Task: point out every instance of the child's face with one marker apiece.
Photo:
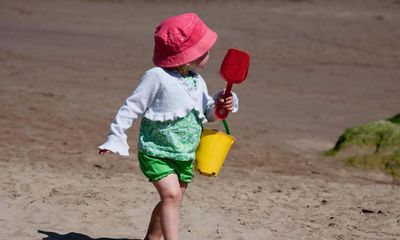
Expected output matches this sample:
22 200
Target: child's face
201 61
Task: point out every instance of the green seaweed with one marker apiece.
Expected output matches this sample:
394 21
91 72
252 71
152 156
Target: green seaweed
378 145
395 119
389 163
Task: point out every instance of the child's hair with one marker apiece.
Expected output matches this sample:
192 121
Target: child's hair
180 40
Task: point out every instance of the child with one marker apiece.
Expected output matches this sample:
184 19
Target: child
173 100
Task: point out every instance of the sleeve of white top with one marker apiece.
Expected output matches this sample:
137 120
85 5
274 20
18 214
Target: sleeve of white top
208 102
134 107
210 109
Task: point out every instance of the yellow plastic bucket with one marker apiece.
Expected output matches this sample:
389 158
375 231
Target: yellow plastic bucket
213 148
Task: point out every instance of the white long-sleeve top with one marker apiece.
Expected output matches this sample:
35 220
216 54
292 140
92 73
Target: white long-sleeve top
161 96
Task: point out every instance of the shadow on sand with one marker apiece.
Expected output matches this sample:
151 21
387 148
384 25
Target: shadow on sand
76 236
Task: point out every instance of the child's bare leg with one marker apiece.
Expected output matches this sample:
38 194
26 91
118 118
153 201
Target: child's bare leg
165 216
154 230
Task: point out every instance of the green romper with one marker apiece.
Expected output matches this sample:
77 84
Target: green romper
170 146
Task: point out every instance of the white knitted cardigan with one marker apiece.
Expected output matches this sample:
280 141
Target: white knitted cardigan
161 96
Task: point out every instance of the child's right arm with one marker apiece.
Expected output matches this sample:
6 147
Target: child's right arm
134 106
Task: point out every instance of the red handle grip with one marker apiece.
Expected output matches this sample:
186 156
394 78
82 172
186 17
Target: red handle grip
220 111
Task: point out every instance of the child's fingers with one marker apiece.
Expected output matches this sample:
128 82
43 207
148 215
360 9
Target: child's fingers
227 103
228 106
228 99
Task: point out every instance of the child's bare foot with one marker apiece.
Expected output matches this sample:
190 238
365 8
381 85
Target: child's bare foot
104 151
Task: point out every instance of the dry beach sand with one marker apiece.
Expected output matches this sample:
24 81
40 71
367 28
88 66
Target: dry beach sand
318 67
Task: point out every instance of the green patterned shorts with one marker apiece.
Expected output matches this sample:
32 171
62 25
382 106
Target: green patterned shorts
155 168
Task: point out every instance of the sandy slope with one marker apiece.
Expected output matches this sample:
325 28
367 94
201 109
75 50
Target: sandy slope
317 68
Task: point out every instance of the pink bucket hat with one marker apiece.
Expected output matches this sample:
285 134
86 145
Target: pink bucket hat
181 39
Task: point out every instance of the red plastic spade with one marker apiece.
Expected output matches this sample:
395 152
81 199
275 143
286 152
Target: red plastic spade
234 69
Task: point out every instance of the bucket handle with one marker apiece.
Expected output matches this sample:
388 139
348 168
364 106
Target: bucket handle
226 126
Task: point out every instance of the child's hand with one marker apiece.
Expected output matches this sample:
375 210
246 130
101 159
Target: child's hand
104 151
227 103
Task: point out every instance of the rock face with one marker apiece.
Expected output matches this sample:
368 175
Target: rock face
375 145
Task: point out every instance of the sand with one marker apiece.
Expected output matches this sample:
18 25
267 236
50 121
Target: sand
318 67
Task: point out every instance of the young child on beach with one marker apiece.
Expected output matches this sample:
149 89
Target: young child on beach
173 101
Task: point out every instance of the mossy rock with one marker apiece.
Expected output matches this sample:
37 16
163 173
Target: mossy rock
374 145
395 119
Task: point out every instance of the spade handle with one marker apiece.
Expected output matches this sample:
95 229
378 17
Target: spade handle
220 111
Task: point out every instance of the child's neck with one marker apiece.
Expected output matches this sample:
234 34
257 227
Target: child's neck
184 71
